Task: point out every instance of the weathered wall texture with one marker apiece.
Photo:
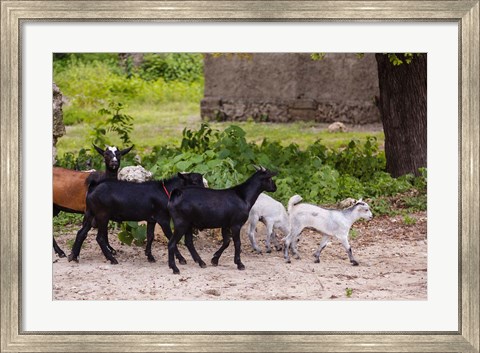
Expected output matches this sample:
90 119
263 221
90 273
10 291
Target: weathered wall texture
58 127
290 87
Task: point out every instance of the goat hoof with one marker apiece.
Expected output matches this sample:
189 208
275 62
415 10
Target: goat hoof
278 248
176 271
113 251
214 261
182 261
317 261
354 263
113 261
202 264
297 257
241 266
268 251
151 259
72 257
288 261
61 254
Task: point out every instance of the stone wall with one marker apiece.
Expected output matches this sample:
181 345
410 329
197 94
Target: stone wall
290 87
58 127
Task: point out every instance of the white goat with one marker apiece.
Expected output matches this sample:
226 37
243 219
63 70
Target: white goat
271 213
329 222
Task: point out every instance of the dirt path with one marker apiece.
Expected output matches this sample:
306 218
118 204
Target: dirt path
392 257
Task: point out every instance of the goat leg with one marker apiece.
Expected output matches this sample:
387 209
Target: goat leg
165 225
106 252
150 236
348 249
277 244
322 246
171 258
238 250
251 234
57 249
226 242
172 244
286 255
79 239
352 259
270 235
101 240
273 238
112 250
295 248
191 248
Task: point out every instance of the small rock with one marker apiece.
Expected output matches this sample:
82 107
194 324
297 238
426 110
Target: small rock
346 203
337 127
136 174
213 292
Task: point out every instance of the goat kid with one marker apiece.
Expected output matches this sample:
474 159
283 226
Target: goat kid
115 200
271 213
227 209
70 186
329 222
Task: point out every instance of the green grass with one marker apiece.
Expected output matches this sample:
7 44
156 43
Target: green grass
301 133
162 124
153 125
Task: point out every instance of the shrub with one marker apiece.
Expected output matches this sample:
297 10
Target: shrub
184 67
319 174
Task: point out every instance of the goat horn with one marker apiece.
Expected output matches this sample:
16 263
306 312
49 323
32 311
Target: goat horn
98 149
256 167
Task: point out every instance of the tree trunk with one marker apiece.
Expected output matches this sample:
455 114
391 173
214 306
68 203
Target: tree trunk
403 110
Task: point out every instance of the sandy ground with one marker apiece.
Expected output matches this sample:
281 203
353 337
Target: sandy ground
392 257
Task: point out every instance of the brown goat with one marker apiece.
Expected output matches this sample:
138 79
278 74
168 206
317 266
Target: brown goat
70 189
70 186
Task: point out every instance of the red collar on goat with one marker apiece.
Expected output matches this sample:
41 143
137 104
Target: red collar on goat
166 191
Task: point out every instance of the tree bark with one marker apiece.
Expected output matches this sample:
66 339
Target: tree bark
403 110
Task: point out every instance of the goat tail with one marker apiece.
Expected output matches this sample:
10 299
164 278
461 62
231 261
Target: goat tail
293 201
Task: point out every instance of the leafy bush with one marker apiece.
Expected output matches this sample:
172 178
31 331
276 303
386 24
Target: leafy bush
113 120
319 174
172 67
83 160
133 232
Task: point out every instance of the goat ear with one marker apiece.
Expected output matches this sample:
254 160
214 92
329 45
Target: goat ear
99 150
126 150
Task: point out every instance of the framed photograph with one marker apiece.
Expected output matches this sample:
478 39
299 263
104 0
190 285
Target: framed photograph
444 317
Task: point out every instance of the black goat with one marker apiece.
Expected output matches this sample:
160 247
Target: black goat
70 186
207 208
114 200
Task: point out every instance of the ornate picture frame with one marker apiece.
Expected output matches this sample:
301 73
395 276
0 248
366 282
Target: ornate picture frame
465 13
